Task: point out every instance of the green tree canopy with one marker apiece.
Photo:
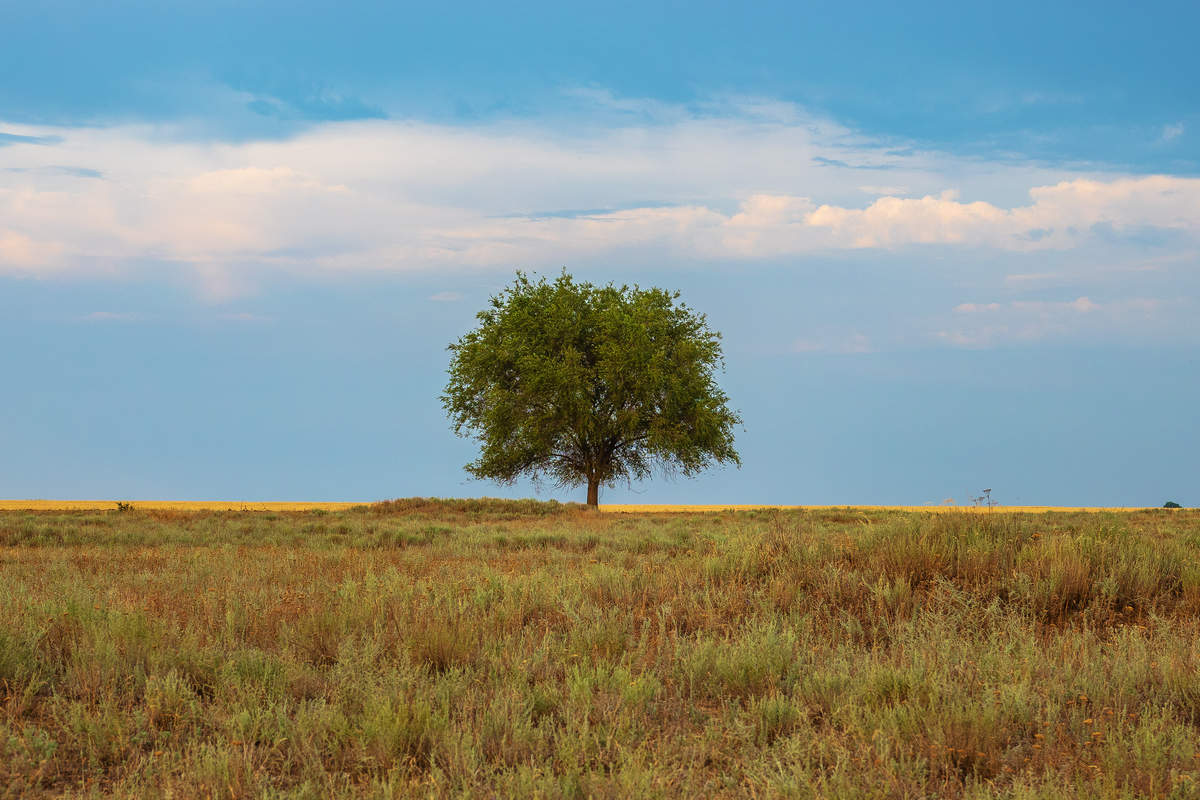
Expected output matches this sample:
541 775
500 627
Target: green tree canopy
584 384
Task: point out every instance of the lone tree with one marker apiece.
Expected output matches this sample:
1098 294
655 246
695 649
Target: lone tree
586 384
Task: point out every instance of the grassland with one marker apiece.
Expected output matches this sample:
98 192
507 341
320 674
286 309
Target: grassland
455 649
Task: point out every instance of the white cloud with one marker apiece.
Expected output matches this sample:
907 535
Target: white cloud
1082 304
21 254
1172 132
884 190
445 297
1022 321
744 180
892 221
1061 215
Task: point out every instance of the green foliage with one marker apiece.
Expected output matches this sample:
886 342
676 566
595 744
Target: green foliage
589 385
1171 504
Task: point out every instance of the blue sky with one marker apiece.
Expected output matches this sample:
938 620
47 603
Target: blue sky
950 246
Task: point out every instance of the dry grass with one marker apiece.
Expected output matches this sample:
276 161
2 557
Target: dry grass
484 648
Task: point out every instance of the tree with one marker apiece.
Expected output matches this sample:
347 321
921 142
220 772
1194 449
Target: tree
583 384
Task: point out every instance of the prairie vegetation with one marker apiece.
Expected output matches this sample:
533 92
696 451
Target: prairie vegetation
424 648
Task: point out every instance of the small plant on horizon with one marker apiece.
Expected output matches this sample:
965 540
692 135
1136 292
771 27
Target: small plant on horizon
984 499
124 506
1171 504
589 385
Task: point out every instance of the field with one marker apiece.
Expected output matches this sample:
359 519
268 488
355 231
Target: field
640 508
492 648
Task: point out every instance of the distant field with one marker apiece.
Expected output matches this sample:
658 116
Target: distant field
171 505
235 505
489 648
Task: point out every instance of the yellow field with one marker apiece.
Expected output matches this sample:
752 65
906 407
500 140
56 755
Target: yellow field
640 508
172 505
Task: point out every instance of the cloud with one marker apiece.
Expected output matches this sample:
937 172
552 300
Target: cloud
445 297
21 254
1082 305
885 190
976 325
1172 131
1060 216
892 221
737 181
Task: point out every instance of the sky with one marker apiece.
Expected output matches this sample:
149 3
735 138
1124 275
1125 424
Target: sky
949 246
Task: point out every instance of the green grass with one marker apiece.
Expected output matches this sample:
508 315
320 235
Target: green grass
459 649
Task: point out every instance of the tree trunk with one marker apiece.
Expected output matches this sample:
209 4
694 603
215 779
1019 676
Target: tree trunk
593 493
